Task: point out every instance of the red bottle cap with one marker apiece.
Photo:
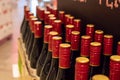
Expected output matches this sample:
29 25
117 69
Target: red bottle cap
108 44
27 10
42 13
64 55
46 17
75 40
38 29
100 77
98 36
56 41
95 52
69 29
61 15
51 35
67 19
33 24
85 45
118 48
77 24
51 21
114 67
58 26
47 29
71 20
81 68
90 30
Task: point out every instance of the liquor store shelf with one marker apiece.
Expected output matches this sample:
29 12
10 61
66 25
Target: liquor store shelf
26 72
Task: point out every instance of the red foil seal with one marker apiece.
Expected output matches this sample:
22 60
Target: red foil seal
85 45
26 12
37 10
67 19
82 68
51 35
71 20
51 21
56 41
46 17
98 36
107 45
77 24
118 48
58 26
75 40
33 24
47 29
114 67
64 55
61 15
55 12
38 29
90 30
50 16
95 52
42 14
69 29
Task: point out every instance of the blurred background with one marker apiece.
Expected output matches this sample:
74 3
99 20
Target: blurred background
11 16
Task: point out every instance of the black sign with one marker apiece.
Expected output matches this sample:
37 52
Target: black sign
105 14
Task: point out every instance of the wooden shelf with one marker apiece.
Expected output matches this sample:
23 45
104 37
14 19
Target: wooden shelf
27 73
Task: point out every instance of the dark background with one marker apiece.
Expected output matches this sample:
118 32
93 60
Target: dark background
103 17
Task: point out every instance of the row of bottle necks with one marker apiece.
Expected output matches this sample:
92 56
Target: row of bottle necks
58 52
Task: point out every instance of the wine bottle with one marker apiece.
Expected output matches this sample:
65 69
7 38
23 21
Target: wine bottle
90 30
82 68
100 77
69 29
98 37
61 15
46 17
43 54
56 40
47 63
114 67
54 11
64 62
29 31
51 20
75 41
95 55
66 19
118 48
37 44
77 24
50 16
57 26
71 20
31 37
107 52
85 46
26 8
